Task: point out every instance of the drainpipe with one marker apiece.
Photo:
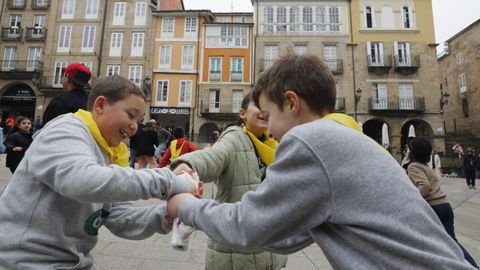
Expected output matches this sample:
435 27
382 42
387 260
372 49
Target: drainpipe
353 59
197 77
254 45
100 53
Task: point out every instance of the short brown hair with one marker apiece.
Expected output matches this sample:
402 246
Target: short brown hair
114 88
306 75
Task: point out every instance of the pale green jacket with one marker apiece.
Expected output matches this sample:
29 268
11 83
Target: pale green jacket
234 167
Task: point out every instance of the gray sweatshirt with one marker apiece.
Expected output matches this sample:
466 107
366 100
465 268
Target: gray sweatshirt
64 189
338 188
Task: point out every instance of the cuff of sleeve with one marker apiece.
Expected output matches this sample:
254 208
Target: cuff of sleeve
186 211
181 185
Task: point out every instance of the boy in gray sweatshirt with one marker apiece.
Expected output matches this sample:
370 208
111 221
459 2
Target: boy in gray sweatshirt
73 180
326 186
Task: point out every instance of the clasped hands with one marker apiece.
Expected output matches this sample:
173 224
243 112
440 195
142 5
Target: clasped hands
175 201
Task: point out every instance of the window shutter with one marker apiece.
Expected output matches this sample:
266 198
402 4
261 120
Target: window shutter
373 18
395 48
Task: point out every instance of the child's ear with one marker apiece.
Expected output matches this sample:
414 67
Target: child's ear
99 104
293 101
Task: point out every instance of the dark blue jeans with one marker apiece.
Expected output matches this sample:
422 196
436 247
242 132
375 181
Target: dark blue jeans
133 157
445 214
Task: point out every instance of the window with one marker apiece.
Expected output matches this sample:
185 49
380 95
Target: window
406 101
307 19
39 20
162 92
15 24
270 54
330 57
375 53
236 69
137 43
300 49
68 9
406 17
116 44
58 73
462 83
402 54
119 13
281 19
334 19
369 17
227 36
41 3
33 58
135 74
268 20
92 9
190 25
140 13
294 19
187 56
380 97
237 98
88 38
214 104
165 56
9 56
167 26
113 70
64 39
185 94
459 57
215 69
321 19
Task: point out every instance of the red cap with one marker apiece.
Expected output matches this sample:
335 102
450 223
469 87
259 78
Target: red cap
79 73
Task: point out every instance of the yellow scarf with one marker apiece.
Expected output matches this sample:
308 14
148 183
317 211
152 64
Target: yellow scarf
119 154
345 120
175 153
265 149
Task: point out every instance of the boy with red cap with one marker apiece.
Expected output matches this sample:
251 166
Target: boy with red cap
75 80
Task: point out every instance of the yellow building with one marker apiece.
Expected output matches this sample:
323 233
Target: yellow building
226 75
176 64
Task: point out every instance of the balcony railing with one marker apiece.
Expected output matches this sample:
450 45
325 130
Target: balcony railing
236 76
340 104
407 64
392 104
214 76
40 4
223 109
335 65
11 34
16 4
36 34
379 63
18 70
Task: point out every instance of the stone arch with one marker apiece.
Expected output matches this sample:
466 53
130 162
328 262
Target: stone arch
205 132
422 129
18 98
373 129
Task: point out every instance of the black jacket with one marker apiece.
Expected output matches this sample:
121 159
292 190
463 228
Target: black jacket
146 139
68 102
15 139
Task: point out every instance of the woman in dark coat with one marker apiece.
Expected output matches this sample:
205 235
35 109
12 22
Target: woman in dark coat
18 141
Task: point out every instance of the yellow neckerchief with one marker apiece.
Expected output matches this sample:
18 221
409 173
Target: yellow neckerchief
175 153
117 155
345 120
265 149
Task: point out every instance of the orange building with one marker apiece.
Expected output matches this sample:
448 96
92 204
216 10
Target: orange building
176 63
225 76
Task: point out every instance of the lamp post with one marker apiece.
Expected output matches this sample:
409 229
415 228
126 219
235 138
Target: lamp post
146 86
444 100
358 95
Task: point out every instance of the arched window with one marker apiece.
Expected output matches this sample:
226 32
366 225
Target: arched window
294 19
281 19
307 19
268 20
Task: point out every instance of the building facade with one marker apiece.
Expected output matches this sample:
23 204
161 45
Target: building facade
460 85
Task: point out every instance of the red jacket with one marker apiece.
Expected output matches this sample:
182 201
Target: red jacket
187 147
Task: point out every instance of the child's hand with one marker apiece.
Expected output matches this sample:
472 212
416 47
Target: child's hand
173 204
17 149
193 182
183 168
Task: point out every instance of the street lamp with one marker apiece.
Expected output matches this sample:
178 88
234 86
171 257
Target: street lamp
444 100
146 86
358 95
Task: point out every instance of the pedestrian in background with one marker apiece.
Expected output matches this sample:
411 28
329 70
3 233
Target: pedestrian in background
17 142
470 165
428 184
178 147
74 81
146 140
2 146
164 139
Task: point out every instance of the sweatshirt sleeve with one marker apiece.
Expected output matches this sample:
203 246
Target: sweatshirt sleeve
419 179
65 157
294 198
135 223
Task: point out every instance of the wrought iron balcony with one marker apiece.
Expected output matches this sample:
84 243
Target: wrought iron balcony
23 69
236 76
11 33
340 104
36 34
40 4
396 104
379 63
407 65
214 75
221 110
16 4
335 65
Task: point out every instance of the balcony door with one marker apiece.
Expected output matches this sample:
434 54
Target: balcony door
214 104
406 101
330 56
380 96
402 53
34 55
375 53
9 56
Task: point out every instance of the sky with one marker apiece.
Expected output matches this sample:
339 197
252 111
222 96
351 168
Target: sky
449 16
